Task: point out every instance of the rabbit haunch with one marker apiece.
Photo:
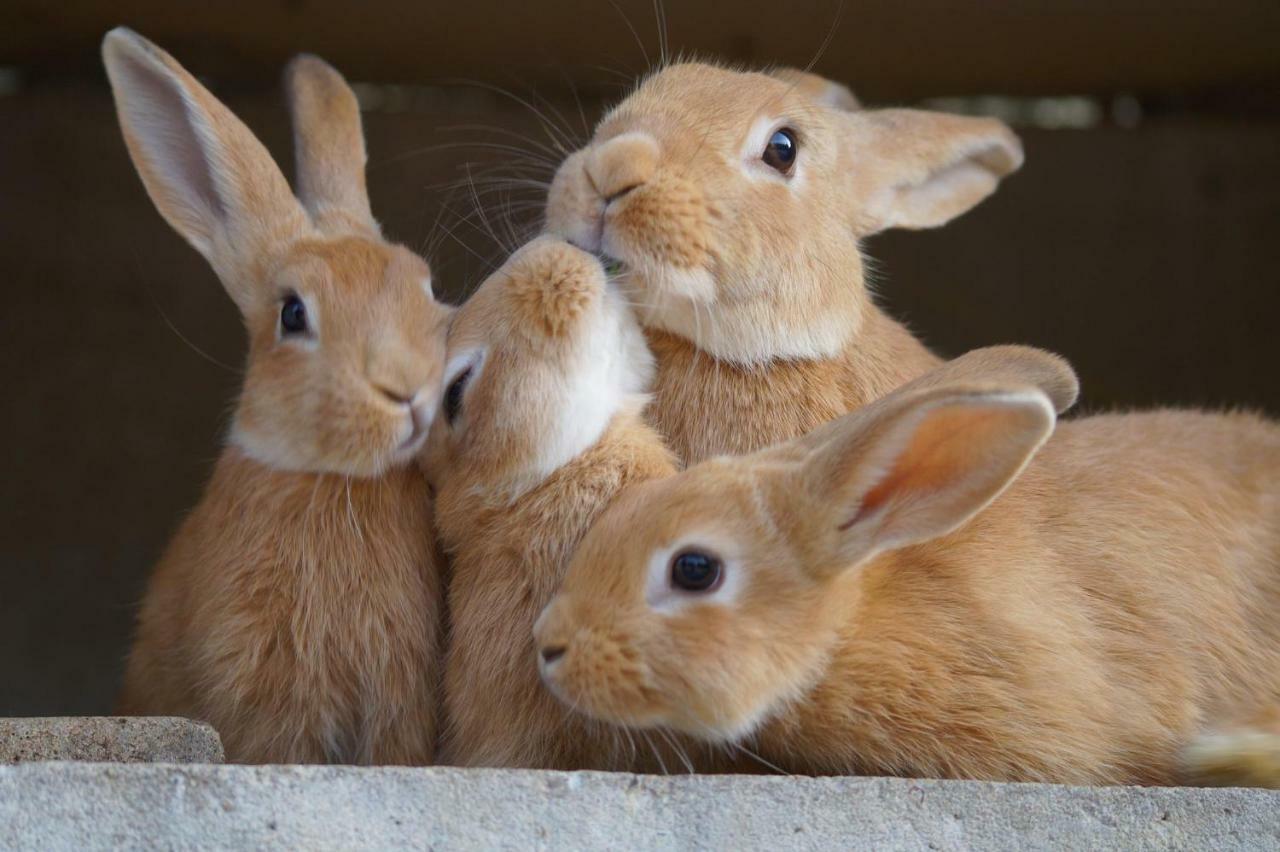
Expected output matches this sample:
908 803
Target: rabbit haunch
296 609
750 282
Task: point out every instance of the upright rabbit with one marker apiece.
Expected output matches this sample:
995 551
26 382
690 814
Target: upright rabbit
297 607
735 203
541 431
901 592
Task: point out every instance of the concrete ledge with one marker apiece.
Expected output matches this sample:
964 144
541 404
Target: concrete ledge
93 806
117 739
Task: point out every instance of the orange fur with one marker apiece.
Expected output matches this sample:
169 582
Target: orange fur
705 407
299 614
751 284
1116 601
297 608
518 483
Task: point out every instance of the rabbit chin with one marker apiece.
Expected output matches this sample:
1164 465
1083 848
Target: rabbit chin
362 455
628 709
686 302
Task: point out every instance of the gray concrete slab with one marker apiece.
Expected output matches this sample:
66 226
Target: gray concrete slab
117 739
52 806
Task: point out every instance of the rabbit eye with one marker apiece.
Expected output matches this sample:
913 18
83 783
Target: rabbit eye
694 571
453 396
780 153
293 316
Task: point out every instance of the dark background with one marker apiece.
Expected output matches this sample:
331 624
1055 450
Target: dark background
1140 239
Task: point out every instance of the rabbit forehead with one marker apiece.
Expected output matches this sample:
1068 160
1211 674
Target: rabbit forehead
702 91
360 279
716 106
714 505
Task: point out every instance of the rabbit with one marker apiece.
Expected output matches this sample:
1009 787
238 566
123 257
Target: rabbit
540 430
940 585
734 203
297 608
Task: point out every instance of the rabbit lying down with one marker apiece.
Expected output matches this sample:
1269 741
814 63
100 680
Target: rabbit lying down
941 584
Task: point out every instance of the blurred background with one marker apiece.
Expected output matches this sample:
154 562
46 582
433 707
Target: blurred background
1141 239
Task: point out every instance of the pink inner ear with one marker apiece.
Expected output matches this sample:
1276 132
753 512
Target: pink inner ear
940 450
160 124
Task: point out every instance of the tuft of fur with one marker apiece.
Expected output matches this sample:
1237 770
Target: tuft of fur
905 594
751 284
297 608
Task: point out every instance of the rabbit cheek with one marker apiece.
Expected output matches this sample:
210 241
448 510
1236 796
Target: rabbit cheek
603 676
274 421
665 223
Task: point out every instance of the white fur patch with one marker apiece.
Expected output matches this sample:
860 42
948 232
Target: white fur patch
610 371
683 302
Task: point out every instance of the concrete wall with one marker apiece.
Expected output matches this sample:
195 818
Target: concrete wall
55 806
1147 256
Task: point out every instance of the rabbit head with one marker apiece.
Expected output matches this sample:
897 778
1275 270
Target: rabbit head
346 343
540 359
735 201
707 601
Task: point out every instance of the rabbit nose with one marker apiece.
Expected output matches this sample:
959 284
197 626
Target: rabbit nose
622 164
551 653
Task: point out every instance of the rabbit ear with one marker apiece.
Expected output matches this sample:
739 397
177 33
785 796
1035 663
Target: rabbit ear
1005 366
913 469
329 143
204 170
917 169
821 89
207 174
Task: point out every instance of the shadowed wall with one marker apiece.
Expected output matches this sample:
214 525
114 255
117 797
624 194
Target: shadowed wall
1148 256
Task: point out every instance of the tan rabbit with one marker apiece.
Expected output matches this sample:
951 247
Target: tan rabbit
871 599
735 203
297 607
541 430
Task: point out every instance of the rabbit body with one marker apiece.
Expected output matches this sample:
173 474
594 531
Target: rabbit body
1122 596
299 615
913 590
507 561
542 432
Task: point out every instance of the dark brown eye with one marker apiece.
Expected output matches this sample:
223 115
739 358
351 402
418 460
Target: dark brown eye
293 316
694 571
780 153
453 396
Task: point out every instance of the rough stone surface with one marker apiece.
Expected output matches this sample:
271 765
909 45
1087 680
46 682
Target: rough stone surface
53 806
116 739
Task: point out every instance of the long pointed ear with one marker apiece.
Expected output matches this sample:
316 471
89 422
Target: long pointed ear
207 174
329 143
914 469
916 169
821 89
